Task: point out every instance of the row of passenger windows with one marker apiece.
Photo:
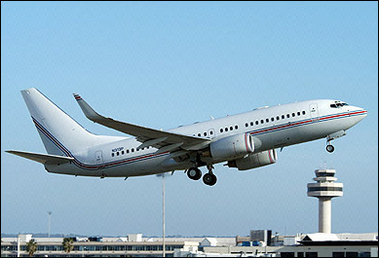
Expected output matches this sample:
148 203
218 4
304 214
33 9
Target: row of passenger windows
277 118
227 129
262 121
123 152
205 134
222 130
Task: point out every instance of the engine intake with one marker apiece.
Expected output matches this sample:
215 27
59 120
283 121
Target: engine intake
232 147
254 160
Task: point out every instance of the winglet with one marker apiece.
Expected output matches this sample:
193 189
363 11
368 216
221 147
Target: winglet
88 111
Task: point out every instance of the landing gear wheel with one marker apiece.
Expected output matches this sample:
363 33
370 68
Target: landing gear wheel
209 179
194 173
329 148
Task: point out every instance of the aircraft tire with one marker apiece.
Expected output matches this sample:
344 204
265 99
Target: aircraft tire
194 173
330 148
209 179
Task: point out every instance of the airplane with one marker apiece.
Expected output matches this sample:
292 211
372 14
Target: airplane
243 141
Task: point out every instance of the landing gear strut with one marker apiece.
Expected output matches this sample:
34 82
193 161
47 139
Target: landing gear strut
209 178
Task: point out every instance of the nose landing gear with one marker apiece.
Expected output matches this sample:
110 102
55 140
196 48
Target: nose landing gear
333 136
329 148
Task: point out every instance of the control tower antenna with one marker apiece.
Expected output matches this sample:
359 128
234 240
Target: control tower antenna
325 189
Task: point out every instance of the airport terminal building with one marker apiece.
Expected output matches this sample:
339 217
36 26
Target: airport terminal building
260 243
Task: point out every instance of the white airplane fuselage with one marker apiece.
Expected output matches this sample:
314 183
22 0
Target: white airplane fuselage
269 127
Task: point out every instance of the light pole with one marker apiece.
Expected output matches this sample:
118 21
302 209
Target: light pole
163 214
18 245
49 223
163 211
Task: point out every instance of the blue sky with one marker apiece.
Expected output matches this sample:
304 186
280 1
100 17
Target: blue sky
171 63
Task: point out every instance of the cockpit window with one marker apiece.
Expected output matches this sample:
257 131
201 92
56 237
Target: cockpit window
338 104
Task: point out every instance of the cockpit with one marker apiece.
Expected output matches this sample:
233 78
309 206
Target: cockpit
338 104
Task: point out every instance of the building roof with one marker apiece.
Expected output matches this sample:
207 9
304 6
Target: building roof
321 237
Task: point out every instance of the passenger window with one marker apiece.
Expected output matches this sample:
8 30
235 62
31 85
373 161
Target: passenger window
298 113
211 132
112 154
132 150
236 127
226 129
293 114
122 152
303 112
272 119
262 121
221 130
277 118
288 115
231 128
205 133
246 125
267 120
118 153
283 117
199 134
256 122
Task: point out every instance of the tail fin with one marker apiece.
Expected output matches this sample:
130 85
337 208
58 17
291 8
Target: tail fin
59 132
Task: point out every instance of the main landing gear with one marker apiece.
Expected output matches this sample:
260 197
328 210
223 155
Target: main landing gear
209 178
333 136
194 173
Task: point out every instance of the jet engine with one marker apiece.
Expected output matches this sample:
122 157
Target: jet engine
232 147
259 159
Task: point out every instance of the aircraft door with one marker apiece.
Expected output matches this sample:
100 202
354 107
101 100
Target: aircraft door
313 108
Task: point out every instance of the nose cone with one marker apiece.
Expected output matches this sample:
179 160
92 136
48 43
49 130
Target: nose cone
358 114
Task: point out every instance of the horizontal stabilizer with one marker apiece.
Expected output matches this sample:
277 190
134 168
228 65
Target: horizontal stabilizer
42 158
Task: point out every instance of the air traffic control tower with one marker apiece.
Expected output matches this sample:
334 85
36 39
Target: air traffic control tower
325 189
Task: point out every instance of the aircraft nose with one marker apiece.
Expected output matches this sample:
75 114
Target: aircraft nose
359 113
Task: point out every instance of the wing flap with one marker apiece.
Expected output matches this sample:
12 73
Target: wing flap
42 158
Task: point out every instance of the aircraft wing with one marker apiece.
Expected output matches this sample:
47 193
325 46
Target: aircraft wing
42 158
165 141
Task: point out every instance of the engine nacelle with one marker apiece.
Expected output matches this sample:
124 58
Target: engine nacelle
254 160
232 147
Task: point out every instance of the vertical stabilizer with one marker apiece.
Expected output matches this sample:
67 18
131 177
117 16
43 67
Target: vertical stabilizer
59 132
